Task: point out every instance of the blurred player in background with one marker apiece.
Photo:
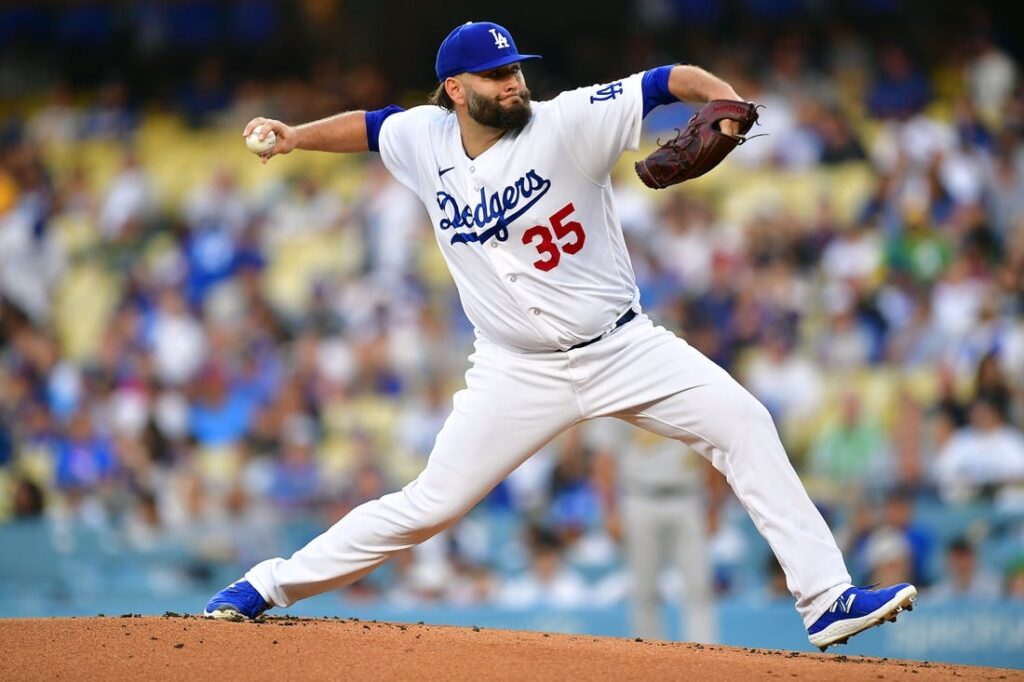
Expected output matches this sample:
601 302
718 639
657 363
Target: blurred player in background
658 508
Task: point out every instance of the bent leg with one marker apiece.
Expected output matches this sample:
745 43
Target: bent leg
687 397
510 408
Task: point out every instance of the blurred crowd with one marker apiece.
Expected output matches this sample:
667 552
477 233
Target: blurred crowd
209 369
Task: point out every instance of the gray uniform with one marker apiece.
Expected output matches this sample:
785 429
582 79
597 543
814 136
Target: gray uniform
660 483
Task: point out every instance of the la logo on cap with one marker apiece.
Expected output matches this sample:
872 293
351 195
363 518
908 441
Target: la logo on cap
476 47
500 41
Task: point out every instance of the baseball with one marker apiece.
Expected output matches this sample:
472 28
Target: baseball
258 146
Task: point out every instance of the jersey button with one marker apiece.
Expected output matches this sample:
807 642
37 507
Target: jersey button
494 244
512 278
472 169
535 311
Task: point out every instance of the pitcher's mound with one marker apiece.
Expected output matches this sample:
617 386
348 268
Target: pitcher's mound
190 648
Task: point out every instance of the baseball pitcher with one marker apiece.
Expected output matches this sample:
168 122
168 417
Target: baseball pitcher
521 202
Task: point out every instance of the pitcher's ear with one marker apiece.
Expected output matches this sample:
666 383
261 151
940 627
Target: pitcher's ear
455 89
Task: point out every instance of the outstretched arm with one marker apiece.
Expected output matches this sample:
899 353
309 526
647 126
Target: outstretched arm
694 84
341 133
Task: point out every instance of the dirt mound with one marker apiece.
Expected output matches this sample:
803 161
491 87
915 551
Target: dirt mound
186 647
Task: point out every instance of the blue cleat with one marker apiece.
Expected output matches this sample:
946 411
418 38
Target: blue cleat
858 609
237 601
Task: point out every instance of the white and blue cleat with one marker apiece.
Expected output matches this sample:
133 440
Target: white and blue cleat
237 601
858 609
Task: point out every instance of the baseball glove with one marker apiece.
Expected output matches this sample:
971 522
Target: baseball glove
698 147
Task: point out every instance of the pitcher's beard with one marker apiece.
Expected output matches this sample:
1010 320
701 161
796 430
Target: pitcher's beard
491 113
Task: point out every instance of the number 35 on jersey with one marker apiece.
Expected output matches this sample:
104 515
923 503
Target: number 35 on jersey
551 241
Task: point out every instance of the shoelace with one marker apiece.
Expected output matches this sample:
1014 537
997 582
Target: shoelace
679 143
743 139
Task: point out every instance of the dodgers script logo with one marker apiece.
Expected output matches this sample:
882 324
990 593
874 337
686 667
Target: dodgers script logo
500 208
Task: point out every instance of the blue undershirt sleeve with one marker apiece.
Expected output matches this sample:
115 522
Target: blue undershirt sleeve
655 88
374 120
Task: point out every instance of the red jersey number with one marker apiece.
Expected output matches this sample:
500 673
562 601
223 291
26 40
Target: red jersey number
569 233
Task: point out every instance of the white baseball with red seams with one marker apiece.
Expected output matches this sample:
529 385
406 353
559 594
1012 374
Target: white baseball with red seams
531 236
258 146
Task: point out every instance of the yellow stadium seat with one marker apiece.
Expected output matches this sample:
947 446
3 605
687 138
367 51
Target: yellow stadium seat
83 306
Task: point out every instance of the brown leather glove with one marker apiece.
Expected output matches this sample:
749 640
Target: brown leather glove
699 147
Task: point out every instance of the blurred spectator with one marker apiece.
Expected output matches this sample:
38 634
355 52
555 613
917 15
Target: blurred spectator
1005 193
31 258
964 578
779 116
177 339
550 583
424 582
59 120
222 412
1015 581
685 243
981 457
207 95
888 557
854 256
992 386
907 437
776 589
84 460
110 116
853 450
393 220
915 342
948 406
307 208
129 201
212 256
574 505
143 527
991 75
908 149
957 300
899 516
473 585
28 500
365 479
297 482
425 416
846 342
785 381
920 252
6 441
839 140
900 91
218 204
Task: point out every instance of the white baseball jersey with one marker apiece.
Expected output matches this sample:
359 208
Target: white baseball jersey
529 228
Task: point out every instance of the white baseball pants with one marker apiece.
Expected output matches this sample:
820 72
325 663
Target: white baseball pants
514 403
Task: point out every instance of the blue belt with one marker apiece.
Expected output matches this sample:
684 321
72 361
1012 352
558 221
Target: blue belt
626 317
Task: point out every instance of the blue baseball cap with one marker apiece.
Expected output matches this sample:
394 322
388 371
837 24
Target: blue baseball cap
475 47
